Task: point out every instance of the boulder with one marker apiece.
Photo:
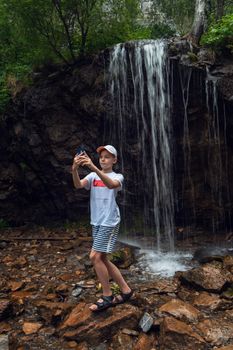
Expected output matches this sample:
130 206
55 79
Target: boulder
217 332
177 335
204 255
208 277
181 310
207 301
83 324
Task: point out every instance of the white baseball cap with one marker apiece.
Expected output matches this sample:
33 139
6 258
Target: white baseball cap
108 148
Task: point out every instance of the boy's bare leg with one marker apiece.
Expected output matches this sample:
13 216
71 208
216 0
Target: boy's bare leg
115 273
102 273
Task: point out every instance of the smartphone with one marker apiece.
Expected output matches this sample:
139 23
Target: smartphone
80 150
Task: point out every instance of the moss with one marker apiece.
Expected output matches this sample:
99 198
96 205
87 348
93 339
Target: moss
192 56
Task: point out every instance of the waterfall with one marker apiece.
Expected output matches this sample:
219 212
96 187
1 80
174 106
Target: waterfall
140 94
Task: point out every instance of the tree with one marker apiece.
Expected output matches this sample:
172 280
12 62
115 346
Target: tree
199 22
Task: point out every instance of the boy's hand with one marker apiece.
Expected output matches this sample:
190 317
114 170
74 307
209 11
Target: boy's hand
85 160
77 161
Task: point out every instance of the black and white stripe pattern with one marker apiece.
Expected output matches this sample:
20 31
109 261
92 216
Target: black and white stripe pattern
104 238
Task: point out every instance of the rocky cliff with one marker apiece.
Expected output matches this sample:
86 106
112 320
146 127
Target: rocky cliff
45 123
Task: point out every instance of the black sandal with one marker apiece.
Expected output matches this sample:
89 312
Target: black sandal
105 304
124 297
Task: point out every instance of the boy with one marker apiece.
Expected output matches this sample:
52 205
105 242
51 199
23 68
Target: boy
105 220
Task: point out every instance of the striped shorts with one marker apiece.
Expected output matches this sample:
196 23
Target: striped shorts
104 238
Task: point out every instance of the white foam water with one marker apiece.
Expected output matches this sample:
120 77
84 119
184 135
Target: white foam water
164 264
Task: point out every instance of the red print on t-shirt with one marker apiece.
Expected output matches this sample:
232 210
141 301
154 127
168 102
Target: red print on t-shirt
98 183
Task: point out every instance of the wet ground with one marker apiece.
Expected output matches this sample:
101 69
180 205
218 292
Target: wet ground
42 268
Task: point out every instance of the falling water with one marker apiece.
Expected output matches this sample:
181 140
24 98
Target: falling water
216 163
138 78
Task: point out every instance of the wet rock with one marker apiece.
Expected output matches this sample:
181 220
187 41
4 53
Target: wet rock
76 292
122 341
82 346
4 327
181 310
123 258
161 286
208 277
72 344
130 332
145 342
4 342
21 295
52 312
204 255
102 326
207 301
14 285
6 309
177 335
228 293
31 327
78 316
146 322
216 332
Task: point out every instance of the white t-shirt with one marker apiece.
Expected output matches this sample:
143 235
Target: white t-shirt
104 209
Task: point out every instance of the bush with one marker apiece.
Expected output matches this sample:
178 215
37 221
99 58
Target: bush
4 95
162 30
220 34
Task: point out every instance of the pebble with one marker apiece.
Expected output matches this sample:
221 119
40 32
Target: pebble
76 292
146 322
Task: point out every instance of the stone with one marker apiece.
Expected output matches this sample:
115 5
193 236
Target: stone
204 255
215 331
130 332
228 347
76 292
161 286
123 258
6 309
72 344
52 312
122 341
21 295
14 285
208 277
62 288
78 316
145 342
177 335
146 322
31 327
4 327
181 310
207 301
66 277
4 342
101 326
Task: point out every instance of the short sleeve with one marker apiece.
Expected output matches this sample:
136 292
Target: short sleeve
89 179
120 178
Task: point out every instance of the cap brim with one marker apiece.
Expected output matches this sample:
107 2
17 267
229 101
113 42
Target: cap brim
100 148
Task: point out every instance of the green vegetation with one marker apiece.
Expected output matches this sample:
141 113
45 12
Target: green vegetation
37 34
220 34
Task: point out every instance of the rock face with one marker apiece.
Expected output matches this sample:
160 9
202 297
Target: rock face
44 125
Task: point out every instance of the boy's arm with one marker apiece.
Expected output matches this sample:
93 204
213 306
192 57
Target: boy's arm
110 183
78 183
